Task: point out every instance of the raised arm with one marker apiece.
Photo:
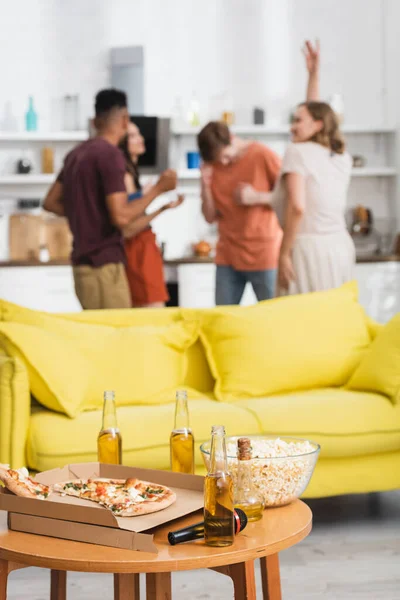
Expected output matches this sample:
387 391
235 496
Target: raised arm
312 55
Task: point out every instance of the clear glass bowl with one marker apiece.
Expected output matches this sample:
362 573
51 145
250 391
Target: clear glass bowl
279 479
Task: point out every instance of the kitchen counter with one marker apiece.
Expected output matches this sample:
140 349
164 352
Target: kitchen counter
173 262
186 260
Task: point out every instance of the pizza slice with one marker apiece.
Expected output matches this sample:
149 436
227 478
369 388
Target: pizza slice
125 498
20 483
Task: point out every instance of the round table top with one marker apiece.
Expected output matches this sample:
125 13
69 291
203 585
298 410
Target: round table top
279 528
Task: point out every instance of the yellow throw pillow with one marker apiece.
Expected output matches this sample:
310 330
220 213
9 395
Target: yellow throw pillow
294 343
379 371
59 374
69 370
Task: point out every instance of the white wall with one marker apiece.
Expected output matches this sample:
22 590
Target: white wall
249 48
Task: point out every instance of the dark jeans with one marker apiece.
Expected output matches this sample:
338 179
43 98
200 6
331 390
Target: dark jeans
230 284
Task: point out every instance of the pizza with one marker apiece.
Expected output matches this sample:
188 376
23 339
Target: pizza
124 497
19 482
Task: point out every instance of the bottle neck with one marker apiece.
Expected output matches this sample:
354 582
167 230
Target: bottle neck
109 414
181 412
244 476
218 459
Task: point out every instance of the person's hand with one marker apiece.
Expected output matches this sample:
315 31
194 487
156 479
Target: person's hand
167 181
285 271
147 187
311 54
174 203
246 195
206 172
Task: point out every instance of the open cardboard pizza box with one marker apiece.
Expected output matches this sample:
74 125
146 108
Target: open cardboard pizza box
71 518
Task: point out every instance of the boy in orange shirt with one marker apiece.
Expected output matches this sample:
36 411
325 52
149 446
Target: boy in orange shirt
249 236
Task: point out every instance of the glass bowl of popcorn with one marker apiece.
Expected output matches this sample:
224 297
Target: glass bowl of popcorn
281 466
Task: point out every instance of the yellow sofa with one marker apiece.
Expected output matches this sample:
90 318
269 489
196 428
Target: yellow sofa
282 367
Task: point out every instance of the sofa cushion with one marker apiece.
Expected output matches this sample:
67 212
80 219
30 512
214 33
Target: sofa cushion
72 364
379 371
14 411
198 374
344 423
292 343
54 440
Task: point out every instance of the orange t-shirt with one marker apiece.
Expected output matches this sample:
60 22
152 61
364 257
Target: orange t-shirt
249 236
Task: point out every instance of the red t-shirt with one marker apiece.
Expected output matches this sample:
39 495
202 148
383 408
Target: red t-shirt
92 171
249 236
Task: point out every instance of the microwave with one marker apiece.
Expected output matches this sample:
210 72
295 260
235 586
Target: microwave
156 133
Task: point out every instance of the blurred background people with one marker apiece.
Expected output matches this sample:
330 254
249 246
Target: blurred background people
249 235
144 266
90 192
317 252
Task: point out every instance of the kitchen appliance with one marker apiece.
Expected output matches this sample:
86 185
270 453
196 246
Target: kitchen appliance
366 238
156 133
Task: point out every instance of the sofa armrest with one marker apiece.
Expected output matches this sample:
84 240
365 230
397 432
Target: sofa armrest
14 411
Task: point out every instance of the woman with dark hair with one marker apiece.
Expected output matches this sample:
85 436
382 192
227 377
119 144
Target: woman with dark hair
317 252
144 266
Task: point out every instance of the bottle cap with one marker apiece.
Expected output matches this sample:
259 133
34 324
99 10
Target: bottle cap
244 448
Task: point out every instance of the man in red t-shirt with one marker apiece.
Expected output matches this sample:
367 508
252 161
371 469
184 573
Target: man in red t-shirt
236 171
90 192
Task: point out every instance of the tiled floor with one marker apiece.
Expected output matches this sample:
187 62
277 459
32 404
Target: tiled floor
353 553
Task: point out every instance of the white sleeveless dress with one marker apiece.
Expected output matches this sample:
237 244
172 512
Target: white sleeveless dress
323 253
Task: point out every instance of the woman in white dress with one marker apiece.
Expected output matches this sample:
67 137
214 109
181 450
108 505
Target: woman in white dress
317 252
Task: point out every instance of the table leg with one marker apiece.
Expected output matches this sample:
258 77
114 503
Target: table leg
126 586
244 583
58 585
270 576
3 579
158 586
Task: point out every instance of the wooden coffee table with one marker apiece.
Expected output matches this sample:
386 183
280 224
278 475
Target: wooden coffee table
279 528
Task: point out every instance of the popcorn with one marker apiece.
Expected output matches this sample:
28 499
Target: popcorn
281 469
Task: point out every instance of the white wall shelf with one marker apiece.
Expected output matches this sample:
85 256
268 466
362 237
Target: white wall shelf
356 172
43 136
374 172
34 179
266 130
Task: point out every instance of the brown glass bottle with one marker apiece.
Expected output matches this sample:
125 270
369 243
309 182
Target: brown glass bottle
181 441
109 441
218 494
247 498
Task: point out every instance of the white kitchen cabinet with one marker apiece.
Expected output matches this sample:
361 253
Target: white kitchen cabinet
379 289
196 287
48 288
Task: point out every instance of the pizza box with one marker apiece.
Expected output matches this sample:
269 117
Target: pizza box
71 518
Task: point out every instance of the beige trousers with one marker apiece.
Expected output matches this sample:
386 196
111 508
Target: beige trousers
102 287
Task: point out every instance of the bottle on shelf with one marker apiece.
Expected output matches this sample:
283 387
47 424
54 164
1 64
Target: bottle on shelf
194 111
182 440
218 494
31 118
47 160
109 441
247 498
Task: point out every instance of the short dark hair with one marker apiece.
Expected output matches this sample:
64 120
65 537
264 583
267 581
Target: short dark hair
214 136
109 99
